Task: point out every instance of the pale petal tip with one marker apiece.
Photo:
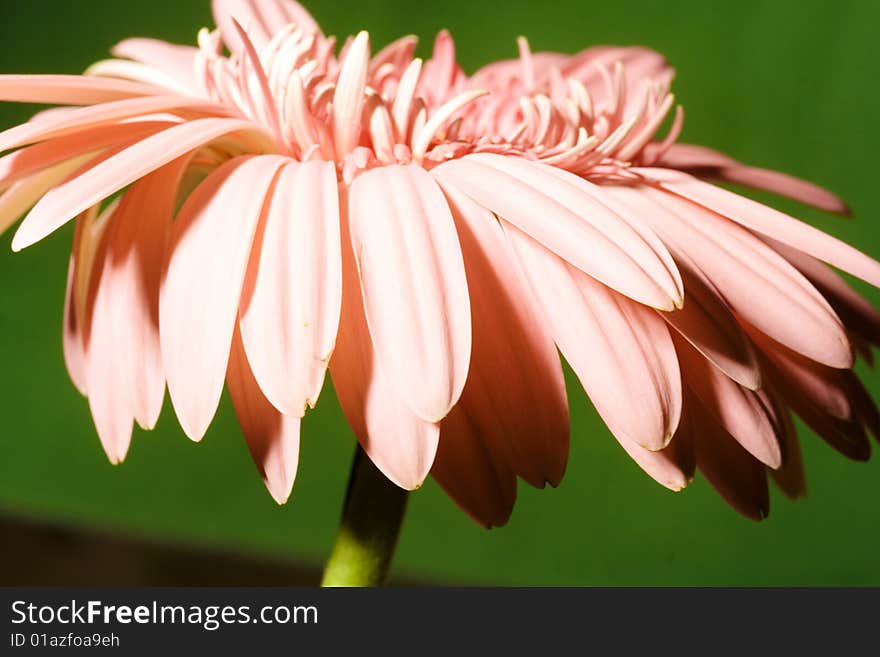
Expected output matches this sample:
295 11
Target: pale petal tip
678 485
21 240
280 491
147 425
664 302
751 379
115 453
194 431
412 482
771 455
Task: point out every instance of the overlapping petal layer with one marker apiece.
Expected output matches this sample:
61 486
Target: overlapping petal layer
256 218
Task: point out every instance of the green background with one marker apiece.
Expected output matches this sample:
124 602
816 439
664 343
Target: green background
785 85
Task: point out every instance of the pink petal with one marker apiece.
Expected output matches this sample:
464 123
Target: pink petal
131 271
397 54
64 121
823 386
674 465
441 73
847 436
289 322
104 373
620 350
605 203
473 471
640 64
24 194
27 161
790 477
737 476
514 397
744 414
69 199
272 438
854 310
788 308
87 238
178 62
72 339
710 327
401 444
348 98
208 254
69 89
261 18
566 221
414 286
865 408
861 347
770 222
264 100
706 163
106 378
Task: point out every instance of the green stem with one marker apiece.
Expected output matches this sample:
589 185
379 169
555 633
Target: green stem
371 520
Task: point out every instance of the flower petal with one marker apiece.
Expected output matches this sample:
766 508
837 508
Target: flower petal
847 436
823 386
289 321
639 64
261 18
65 121
705 319
621 351
208 254
710 327
24 194
473 471
348 98
32 159
401 444
77 310
743 413
131 270
71 333
566 221
770 222
855 311
514 397
865 407
707 163
603 205
674 465
72 197
734 473
175 61
69 89
414 286
790 476
788 309
272 438
105 373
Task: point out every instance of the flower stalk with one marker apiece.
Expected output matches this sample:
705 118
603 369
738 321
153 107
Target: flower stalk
371 519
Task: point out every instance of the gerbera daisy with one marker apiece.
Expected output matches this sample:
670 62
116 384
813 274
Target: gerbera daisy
259 216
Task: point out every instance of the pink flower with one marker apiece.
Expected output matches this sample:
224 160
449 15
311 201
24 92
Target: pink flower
433 238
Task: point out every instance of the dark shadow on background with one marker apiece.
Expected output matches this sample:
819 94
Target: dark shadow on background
41 554
37 554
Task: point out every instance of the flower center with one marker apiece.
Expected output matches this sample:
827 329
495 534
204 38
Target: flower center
395 108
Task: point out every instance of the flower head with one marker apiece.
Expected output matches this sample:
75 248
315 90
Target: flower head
433 238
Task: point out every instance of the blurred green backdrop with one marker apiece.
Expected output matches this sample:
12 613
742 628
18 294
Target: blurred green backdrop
788 85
